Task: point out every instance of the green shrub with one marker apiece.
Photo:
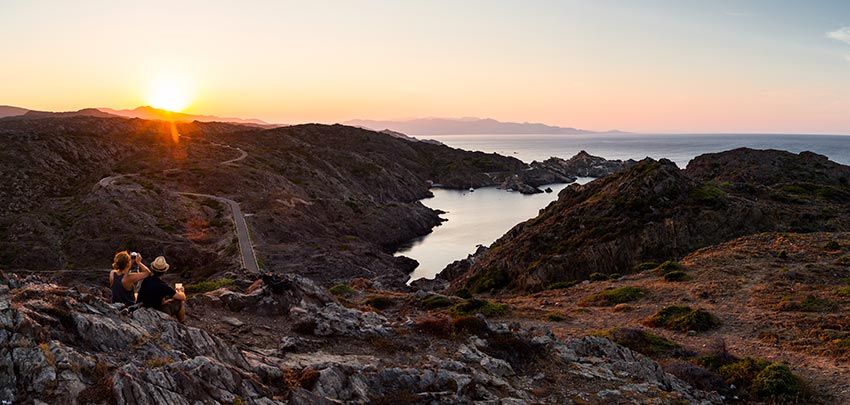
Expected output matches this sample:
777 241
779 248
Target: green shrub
434 301
208 285
380 302
677 275
597 277
742 372
614 276
613 296
645 266
843 291
488 280
683 318
642 341
708 194
476 306
341 290
560 285
669 266
777 382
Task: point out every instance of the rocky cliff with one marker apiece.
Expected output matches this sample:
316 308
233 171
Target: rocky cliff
655 212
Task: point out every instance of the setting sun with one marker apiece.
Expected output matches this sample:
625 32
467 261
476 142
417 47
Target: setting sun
169 93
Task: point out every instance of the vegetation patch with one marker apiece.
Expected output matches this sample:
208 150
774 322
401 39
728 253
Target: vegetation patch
832 245
434 301
555 317
777 382
597 277
809 304
433 325
613 296
683 318
463 293
677 275
341 290
669 267
477 306
488 280
209 285
843 291
471 325
560 285
380 302
643 342
645 266
708 194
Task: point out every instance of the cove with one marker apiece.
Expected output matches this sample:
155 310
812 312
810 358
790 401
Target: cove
472 218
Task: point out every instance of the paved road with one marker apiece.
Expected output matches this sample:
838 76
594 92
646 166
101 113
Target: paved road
246 248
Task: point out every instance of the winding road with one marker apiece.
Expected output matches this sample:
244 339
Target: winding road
246 248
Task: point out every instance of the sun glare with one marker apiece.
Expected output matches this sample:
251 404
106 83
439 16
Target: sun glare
169 93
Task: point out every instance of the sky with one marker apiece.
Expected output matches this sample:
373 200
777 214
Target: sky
640 65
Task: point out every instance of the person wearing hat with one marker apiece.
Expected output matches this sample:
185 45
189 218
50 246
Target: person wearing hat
155 293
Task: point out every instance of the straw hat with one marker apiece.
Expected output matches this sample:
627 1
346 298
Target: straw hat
159 265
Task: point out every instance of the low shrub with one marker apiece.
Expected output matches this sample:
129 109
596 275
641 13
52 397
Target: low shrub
597 277
556 317
832 245
380 302
341 290
809 304
683 318
643 342
488 280
668 267
435 301
476 306
708 194
560 285
742 372
614 276
696 376
463 293
843 291
208 285
433 325
471 325
645 266
777 382
677 275
613 296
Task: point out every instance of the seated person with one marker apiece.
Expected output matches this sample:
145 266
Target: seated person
155 293
121 281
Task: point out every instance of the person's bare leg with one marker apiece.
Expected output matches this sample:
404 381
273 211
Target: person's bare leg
181 313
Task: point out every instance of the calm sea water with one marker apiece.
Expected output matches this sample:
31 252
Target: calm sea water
678 148
483 216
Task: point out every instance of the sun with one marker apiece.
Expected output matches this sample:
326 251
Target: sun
168 92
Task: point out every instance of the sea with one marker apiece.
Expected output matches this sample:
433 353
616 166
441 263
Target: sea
482 216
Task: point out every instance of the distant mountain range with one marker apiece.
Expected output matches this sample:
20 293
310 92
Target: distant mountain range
464 126
145 112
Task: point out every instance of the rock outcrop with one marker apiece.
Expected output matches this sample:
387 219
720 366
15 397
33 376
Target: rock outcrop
66 344
655 212
557 170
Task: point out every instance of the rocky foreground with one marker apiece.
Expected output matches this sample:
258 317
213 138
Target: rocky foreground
60 344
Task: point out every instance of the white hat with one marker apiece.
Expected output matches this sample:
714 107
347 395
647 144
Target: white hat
159 265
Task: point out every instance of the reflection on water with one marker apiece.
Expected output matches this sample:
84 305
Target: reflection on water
474 218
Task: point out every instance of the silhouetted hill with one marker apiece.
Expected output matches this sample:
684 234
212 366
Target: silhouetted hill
449 126
150 113
9 111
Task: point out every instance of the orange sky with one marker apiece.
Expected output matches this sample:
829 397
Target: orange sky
742 66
